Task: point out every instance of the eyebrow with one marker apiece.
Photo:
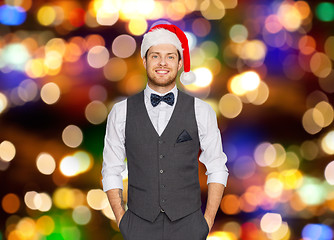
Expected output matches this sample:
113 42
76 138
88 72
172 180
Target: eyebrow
160 53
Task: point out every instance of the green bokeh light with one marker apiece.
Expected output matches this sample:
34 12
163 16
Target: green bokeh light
313 192
325 11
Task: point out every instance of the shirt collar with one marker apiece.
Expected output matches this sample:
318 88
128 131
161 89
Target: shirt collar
149 90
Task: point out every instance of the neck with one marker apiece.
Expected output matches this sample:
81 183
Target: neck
161 89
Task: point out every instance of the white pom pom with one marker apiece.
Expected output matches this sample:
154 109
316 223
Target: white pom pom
187 78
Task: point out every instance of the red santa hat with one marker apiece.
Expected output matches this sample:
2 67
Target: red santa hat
170 34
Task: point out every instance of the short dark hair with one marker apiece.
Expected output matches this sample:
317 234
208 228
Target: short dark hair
178 54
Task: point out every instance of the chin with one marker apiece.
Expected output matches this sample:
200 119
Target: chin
162 83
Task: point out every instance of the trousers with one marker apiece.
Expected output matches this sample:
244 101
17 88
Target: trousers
192 226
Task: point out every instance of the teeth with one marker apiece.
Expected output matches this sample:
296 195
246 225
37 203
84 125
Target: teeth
161 71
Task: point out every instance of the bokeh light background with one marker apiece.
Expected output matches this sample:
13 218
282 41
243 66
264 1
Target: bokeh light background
266 67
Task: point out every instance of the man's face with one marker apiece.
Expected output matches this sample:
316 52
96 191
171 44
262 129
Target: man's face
162 64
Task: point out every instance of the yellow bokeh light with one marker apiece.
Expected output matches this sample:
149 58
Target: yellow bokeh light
85 161
46 15
72 136
176 11
42 202
53 60
329 173
97 199
26 227
291 162
280 155
309 123
220 235
35 68
50 93
137 26
64 198
29 199
292 179
230 106
271 222
254 50
327 143
233 227
289 16
326 110
45 225
236 86
7 151
158 11
110 6
265 154
56 44
250 80
115 69
96 112
259 95
273 187
321 65
203 77
283 233
3 102
75 164
106 18
45 163
212 10
309 150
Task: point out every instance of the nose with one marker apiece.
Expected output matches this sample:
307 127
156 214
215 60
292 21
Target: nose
163 62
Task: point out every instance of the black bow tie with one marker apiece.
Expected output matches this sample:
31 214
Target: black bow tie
168 98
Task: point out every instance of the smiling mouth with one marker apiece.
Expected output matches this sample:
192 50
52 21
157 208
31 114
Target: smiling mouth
162 71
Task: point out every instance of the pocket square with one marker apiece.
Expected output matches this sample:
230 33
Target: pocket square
184 136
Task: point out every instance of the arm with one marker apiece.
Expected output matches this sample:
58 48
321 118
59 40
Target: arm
215 194
113 159
213 157
115 197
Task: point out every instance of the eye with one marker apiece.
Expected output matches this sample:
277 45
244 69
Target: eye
154 56
171 57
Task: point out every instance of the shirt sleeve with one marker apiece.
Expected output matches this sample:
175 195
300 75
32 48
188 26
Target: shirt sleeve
114 148
212 155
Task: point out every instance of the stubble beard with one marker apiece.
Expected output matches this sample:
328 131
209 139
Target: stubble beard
155 82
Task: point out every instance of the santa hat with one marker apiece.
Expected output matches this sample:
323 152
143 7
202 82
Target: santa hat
170 34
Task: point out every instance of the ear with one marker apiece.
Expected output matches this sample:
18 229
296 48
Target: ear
180 65
144 62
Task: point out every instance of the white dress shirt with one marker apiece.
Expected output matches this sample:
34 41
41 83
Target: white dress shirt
212 155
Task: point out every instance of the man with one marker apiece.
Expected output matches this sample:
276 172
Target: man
160 130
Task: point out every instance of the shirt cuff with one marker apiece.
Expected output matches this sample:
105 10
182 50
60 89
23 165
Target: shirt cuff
112 182
218 177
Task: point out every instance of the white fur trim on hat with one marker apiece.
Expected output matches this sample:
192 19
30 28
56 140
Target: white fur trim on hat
187 77
160 36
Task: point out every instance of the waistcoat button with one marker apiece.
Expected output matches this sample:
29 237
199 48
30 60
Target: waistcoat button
161 156
161 171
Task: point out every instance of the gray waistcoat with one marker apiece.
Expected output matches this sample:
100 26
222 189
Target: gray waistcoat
162 174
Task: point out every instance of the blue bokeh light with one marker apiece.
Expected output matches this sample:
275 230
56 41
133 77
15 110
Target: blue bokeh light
317 232
11 15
